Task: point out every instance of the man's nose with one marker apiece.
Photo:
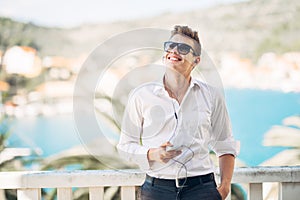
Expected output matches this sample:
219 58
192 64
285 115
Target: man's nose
174 50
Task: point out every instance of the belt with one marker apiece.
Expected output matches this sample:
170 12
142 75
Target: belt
182 182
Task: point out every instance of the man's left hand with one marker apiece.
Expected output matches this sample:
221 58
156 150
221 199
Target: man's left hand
224 191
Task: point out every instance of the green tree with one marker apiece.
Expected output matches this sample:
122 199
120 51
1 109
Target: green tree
15 33
9 164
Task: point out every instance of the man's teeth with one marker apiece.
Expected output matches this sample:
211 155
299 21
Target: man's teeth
176 59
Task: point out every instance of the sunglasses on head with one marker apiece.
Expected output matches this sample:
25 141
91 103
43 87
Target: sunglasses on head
182 48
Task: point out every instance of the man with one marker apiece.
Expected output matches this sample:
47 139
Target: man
169 128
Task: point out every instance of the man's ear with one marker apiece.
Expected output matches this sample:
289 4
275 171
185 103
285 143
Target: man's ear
197 60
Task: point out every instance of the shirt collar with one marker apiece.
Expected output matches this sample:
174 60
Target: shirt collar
159 88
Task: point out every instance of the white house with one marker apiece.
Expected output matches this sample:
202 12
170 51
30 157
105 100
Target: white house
22 60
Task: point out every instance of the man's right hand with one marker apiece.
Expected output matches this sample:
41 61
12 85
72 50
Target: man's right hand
161 154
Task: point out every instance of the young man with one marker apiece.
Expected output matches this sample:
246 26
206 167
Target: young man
169 128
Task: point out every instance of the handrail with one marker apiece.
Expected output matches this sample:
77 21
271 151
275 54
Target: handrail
78 178
29 183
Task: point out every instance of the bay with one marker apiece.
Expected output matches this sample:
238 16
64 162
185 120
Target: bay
252 113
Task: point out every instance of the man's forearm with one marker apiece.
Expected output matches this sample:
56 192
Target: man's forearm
226 163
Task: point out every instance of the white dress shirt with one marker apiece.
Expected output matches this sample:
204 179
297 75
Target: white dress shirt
199 124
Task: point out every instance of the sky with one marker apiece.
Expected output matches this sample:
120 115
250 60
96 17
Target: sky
67 13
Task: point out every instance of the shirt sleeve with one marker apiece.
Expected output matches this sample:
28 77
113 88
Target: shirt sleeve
222 140
130 146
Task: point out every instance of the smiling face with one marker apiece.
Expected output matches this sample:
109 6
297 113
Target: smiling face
183 64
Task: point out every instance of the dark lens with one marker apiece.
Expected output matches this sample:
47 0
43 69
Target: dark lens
184 49
172 45
169 45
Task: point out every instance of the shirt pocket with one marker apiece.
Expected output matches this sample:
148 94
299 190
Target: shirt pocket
204 125
155 121
196 123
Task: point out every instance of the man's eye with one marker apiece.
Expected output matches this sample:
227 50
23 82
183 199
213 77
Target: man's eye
172 46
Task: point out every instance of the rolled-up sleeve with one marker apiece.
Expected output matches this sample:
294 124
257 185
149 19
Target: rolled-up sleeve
130 146
222 140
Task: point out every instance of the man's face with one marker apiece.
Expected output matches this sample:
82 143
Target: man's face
183 64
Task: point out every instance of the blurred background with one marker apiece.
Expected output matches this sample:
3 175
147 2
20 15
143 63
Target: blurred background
254 44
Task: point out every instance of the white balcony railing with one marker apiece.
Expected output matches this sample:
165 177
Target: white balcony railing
29 184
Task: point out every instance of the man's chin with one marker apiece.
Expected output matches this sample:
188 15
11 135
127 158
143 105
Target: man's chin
173 65
175 68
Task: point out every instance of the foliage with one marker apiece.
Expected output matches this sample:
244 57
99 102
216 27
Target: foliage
282 38
117 106
16 33
9 164
19 82
27 34
4 134
249 28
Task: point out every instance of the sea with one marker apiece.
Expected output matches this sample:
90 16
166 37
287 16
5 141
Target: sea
252 112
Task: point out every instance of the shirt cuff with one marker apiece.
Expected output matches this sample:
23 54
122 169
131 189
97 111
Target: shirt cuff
136 154
141 158
226 147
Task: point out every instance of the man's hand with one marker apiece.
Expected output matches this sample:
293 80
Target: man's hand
224 191
161 154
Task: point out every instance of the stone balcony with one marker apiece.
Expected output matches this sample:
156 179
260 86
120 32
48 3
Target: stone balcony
28 184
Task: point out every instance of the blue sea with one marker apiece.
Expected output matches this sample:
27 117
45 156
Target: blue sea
252 113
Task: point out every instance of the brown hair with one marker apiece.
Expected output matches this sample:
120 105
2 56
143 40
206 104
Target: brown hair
187 31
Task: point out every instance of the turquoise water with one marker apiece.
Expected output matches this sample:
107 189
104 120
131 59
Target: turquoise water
252 112
50 134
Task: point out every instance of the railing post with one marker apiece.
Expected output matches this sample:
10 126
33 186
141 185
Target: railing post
96 193
2 194
289 191
255 191
29 194
128 193
64 193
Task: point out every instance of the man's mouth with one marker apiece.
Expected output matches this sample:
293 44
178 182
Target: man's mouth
174 58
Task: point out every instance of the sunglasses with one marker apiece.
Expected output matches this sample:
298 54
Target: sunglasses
182 48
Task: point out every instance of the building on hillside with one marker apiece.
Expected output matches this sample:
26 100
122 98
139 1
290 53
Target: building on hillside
22 60
61 68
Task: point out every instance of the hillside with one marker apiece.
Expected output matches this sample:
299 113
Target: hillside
250 28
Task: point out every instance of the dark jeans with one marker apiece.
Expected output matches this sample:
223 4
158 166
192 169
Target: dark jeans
202 191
